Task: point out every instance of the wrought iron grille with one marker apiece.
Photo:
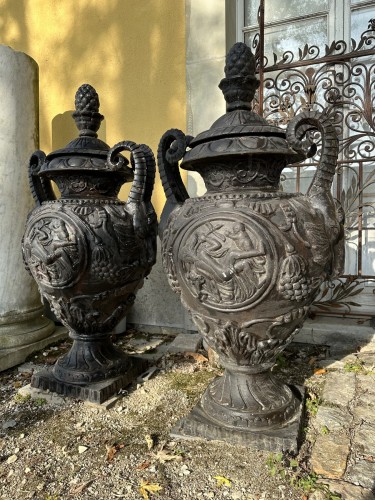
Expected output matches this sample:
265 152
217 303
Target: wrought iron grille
339 80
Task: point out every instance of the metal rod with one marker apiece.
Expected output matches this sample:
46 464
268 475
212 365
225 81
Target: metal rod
261 54
360 215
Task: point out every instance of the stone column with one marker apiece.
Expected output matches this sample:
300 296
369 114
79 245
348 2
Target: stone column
23 328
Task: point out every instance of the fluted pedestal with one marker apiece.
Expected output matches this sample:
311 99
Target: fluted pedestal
23 328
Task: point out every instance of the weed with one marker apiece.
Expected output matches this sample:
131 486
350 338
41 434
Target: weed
40 402
312 404
290 469
354 366
18 398
324 430
275 464
281 361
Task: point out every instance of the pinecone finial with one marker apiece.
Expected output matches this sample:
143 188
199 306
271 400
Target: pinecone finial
86 115
240 82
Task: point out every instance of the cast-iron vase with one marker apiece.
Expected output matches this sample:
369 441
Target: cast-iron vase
88 251
247 258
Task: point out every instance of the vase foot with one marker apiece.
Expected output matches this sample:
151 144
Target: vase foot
96 392
200 425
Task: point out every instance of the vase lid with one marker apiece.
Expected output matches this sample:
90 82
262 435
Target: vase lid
240 131
86 153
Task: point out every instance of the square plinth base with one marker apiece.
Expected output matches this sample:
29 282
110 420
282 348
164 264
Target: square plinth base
96 392
198 425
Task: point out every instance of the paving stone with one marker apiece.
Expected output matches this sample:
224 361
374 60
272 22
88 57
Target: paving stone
27 368
348 491
185 342
362 473
364 414
339 388
333 418
107 405
35 393
368 348
368 360
337 362
332 364
366 389
329 455
318 495
364 439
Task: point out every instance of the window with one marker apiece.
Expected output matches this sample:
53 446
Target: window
310 61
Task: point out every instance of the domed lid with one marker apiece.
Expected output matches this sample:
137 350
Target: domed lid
86 152
240 131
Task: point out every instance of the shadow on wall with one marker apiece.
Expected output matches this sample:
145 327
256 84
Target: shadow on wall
64 130
133 53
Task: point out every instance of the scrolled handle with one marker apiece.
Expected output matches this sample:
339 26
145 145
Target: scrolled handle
172 147
135 204
41 188
296 131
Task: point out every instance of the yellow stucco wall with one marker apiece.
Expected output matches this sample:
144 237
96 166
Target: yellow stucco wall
131 51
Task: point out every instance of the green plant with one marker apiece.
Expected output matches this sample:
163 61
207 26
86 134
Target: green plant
19 398
281 361
40 402
312 404
275 464
324 430
354 366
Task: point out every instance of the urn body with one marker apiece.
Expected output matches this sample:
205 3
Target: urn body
247 258
87 250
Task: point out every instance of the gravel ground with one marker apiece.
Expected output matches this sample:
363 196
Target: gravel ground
74 449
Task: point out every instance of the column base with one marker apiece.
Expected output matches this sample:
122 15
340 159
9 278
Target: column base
13 356
21 328
199 425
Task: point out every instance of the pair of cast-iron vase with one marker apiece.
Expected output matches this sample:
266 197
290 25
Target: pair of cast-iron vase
246 258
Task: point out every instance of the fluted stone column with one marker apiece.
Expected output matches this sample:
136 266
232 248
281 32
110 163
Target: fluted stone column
23 328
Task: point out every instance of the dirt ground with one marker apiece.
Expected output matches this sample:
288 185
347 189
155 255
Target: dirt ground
77 450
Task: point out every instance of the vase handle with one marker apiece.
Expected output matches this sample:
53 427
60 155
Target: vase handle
319 191
40 187
135 204
172 147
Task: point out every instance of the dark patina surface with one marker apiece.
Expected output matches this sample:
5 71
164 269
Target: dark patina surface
88 251
247 258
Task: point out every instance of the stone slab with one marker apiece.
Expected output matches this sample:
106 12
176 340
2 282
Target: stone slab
364 414
339 388
334 419
364 439
35 393
185 342
342 335
17 355
335 364
330 454
362 473
366 390
197 425
368 360
106 405
96 392
348 491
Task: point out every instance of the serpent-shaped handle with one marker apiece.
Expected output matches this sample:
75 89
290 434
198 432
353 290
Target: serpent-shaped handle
172 147
40 187
319 191
135 205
